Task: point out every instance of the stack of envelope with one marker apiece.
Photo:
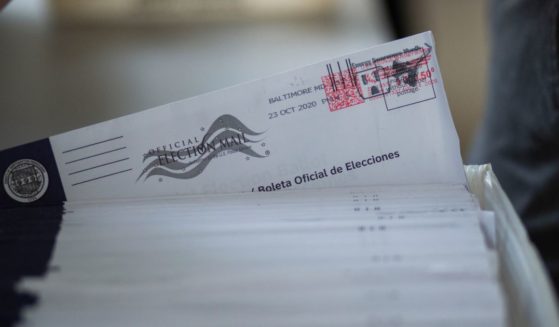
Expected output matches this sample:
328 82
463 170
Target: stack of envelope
332 195
372 256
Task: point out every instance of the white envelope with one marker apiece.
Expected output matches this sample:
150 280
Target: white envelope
378 116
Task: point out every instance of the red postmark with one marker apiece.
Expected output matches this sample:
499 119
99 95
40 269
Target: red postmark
341 90
400 79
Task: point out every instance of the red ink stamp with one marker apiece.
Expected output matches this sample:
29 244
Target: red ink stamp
341 89
400 79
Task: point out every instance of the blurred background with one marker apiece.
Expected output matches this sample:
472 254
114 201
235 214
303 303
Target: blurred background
69 63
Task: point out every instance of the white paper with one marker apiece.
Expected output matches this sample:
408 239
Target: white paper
296 258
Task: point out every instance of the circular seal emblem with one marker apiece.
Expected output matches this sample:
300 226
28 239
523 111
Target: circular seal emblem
26 180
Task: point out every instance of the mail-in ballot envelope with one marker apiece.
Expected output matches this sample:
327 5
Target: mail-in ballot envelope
378 116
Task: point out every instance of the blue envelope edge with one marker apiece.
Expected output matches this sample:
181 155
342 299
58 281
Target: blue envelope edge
30 176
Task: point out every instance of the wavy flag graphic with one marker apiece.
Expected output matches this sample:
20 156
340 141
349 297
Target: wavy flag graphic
226 133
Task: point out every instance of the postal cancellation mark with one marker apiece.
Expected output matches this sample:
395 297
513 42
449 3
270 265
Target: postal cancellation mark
400 79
